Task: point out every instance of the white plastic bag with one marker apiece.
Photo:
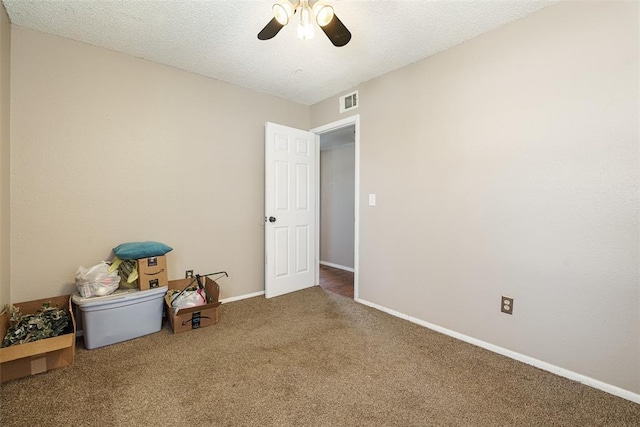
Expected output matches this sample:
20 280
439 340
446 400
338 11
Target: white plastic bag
96 281
188 299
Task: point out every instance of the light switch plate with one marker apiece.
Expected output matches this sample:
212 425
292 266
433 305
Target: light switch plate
372 199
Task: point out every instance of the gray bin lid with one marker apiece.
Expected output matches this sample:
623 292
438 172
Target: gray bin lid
124 295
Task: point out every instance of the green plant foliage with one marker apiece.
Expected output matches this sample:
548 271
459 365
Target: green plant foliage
47 322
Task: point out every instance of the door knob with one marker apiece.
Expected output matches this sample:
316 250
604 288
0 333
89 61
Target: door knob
272 219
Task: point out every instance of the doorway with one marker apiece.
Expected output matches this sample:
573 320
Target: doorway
336 281
337 206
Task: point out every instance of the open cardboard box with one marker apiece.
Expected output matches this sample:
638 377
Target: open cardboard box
186 319
32 358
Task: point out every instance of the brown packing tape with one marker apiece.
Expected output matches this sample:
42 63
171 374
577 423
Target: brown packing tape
38 364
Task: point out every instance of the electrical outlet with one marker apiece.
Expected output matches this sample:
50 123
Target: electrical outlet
506 305
188 274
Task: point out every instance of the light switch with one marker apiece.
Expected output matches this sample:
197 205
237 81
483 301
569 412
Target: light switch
372 199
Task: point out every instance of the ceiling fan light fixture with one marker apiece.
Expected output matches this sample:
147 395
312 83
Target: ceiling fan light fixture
310 11
283 11
305 15
305 27
323 13
305 31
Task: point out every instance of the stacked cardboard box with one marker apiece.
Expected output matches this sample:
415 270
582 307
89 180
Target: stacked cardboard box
152 272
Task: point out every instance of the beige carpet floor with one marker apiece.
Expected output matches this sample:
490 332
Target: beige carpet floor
310 358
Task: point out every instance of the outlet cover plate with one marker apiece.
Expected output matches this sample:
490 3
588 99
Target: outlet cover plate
506 305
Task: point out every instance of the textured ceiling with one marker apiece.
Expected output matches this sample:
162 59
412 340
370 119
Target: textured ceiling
218 38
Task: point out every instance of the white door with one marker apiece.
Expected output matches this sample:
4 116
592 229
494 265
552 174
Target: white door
290 206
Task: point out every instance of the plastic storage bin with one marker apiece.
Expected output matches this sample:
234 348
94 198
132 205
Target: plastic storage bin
121 316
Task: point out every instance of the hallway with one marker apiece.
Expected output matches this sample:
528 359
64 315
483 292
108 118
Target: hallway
336 280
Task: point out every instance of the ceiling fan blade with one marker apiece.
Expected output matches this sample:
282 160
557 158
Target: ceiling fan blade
337 32
270 30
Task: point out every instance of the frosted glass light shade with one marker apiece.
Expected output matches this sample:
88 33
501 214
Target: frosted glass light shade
283 11
305 31
323 13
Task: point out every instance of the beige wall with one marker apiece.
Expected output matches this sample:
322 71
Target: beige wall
5 69
508 165
107 148
337 184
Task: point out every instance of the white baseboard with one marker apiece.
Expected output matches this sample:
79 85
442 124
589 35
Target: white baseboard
338 266
241 297
608 388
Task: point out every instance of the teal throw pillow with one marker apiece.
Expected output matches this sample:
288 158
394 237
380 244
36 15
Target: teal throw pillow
137 250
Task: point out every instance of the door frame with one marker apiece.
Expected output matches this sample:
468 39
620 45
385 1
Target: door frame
348 121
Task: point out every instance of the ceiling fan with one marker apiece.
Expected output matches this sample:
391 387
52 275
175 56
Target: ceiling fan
322 13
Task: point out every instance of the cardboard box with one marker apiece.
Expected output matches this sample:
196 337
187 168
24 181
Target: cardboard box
196 317
32 358
152 272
